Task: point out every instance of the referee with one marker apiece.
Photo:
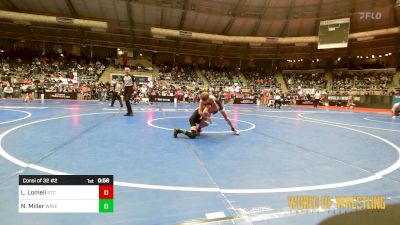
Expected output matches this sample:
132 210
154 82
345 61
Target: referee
128 90
278 100
116 90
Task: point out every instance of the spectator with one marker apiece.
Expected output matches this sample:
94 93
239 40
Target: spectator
8 91
317 97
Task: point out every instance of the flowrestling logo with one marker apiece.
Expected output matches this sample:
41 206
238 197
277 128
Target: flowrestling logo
370 15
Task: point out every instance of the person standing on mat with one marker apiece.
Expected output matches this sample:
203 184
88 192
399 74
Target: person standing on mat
129 82
317 97
116 90
277 98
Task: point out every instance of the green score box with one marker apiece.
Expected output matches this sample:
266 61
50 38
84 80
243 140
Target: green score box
106 205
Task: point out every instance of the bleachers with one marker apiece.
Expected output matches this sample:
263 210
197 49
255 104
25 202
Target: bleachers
38 66
185 80
306 79
219 78
261 80
179 76
362 79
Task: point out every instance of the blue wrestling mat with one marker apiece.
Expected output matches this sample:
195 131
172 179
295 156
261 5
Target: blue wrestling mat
219 178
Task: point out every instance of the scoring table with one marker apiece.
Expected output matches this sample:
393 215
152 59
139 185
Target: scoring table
66 194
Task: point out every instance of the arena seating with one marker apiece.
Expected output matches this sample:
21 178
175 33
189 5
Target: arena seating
295 81
34 65
221 77
179 75
181 81
362 80
260 80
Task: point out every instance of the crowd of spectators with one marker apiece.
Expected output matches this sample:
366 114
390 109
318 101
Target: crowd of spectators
221 77
23 62
374 80
260 80
295 81
22 68
179 75
25 70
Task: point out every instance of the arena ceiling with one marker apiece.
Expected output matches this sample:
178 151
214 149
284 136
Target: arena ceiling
129 23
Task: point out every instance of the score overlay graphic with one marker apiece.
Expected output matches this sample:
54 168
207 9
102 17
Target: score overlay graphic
66 194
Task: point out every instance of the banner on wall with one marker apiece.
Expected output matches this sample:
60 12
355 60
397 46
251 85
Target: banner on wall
304 102
55 95
154 98
343 98
395 99
245 101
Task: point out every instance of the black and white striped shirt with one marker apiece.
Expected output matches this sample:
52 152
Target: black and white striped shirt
128 80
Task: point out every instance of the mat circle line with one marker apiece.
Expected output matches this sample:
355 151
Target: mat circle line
28 114
301 115
150 123
374 120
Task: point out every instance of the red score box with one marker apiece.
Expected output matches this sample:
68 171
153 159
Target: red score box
106 192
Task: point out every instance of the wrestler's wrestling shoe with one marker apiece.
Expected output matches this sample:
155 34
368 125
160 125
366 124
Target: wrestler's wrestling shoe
176 132
235 132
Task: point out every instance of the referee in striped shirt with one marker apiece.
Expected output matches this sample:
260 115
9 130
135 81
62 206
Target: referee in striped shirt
129 81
